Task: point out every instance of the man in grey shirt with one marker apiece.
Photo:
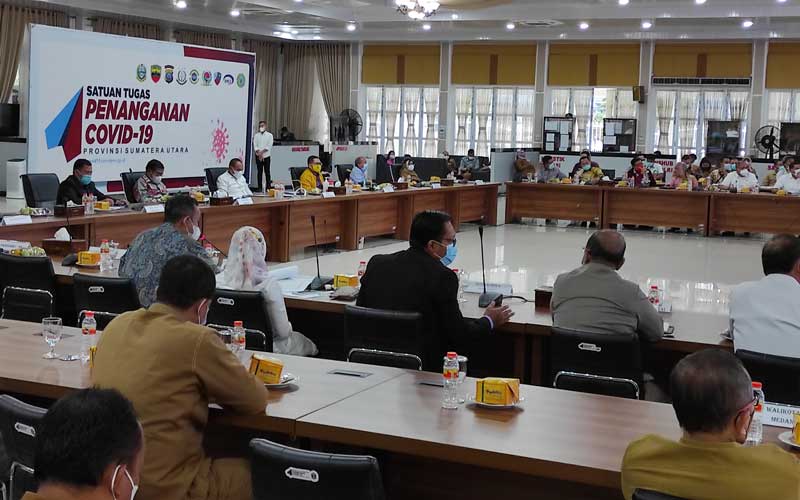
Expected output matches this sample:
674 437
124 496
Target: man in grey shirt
469 165
595 298
550 171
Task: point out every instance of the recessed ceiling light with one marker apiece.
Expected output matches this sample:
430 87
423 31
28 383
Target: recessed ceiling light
562 35
624 2
294 32
746 24
235 12
181 4
584 25
298 1
781 1
454 16
699 2
276 33
510 26
647 25
317 37
426 27
351 27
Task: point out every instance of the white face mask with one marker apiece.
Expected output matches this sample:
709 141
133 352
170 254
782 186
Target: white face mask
262 129
134 487
238 174
156 179
410 167
195 232
743 173
202 320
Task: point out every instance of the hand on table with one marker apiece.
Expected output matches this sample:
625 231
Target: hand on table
498 314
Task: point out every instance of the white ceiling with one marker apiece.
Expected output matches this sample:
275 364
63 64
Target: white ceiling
377 20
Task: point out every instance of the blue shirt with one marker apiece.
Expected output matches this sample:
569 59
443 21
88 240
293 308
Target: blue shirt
358 175
148 253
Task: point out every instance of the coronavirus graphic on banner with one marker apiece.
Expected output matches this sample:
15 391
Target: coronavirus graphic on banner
220 139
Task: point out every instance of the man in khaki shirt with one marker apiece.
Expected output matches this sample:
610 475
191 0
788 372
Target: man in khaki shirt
171 367
714 402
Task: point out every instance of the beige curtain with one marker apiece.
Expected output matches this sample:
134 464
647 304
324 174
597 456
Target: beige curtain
13 21
333 71
207 38
127 28
297 89
266 98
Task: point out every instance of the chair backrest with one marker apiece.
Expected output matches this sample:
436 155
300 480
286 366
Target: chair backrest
600 363
780 375
296 172
19 423
343 171
385 358
212 173
610 173
129 180
27 272
282 472
653 495
26 304
101 293
41 190
245 306
378 329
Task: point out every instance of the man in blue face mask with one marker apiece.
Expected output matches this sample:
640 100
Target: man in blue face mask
80 183
419 280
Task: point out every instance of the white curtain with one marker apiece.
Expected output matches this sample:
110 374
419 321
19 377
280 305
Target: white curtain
525 124
687 120
665 111
715 108
373 111
431 113
504 118
779 107
411 108
582 110
740 102
559 102
483 112
391 114
463 114
620 104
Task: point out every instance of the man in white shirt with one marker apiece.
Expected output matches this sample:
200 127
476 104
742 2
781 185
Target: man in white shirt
741 179
790 182
232 183
765 314
262 145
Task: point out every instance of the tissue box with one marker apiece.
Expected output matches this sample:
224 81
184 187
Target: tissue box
88 258
340 280
102 205
221 201
60 248
266 369
542 296
64 211
497 391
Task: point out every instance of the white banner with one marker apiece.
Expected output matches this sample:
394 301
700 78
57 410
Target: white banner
121 101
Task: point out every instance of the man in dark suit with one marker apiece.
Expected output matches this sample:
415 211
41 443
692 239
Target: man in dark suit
419 280
80 183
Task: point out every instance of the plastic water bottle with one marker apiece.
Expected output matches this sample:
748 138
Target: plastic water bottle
105 257
450 378
756 432
362 268
654 296
238 338
88 336
462 283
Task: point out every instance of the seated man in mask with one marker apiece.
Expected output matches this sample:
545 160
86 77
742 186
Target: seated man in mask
232 183
550 171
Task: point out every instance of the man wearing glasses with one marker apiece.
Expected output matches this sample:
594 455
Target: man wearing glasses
713 399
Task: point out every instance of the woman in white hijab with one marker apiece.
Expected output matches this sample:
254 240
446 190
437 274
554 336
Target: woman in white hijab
246 269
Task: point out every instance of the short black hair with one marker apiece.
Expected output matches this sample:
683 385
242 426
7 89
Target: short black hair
708 388
262 121
153 165
311 159
546 158
82 434
427 226
636 160
233 162
780 254
178 207
600 250
470 151
80 163
184 280
650 157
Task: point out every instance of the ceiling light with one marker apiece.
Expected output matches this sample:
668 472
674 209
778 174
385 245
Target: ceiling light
453 16
317 37
426 27
181 4
298 1
647 25
583 25
276 33
510 26
781 1
294 32
417 9
624 2
699 2
235 12
746 24
351 27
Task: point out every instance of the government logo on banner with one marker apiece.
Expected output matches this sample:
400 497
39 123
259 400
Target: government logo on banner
155 73
194 76
169 73
141 72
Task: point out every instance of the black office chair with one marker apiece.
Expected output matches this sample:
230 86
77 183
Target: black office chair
598 363
104 294
610 173
18 425
780 375
26 304
395 332
212 173
296 172
653 495
41 190
343 171
248 307
129 180
385 358
282 472
28 285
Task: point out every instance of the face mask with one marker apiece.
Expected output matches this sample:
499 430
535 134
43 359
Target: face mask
86 180
237 175
410 167
262 129
471 156
316 168
134 487
364 167
743 173
195 232
639 169
450 255
550 166
730 167
649 164
156 179
586 168
202 319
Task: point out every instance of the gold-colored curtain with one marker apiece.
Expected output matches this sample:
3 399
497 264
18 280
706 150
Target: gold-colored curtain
207 38
266 98
333 71
298 87
13 21
127 28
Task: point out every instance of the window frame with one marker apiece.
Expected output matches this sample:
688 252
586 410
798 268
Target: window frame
399 137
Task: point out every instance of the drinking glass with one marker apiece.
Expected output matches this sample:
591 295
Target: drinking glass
462 284
51 331
462 374
115 254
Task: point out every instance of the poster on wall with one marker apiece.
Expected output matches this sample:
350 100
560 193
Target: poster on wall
121 101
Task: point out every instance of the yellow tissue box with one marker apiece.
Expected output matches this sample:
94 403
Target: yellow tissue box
266 369
102 205
88 258
796 429
780 192
340 280
497 391
745 190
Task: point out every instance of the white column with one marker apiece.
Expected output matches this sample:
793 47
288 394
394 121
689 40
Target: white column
445 126
645 127
756 118
542 51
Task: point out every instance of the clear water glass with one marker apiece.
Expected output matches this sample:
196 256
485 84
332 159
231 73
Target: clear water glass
462 374
462 284
51 332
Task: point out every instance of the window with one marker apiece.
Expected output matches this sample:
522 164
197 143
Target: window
403 119
783 106
493 117
590 106
682 118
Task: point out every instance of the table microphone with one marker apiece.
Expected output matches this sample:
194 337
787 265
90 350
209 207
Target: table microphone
319 282
487 298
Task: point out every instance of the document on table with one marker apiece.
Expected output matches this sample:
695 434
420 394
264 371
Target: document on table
290 286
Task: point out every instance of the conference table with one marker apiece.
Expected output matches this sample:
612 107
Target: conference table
340 219
708 212
557 444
